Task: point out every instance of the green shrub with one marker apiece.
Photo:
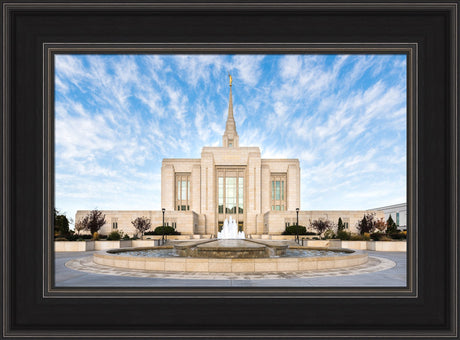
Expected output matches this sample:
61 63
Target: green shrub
343 235
126 237
376 236
380 237
329 234
295 230
114 236
72 237
367 224
159 231
398 236
340 225
84 237
364 237
392 228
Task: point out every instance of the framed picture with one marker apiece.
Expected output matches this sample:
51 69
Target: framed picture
37 107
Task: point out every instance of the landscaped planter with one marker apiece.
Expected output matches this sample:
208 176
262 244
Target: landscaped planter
390 246
151 237
322 243
178 237
73 245
283 237
376 245
361 245
168 237
104 245
144 243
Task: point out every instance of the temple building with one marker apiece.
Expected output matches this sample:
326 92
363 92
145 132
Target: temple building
262 195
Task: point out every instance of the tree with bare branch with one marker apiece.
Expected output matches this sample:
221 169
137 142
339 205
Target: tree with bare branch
93 221
142 224
380 225
321 225
81 224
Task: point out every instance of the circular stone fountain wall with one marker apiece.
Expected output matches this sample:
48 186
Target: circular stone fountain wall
228 264
230 249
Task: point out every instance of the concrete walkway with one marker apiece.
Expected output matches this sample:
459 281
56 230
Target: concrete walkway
385 269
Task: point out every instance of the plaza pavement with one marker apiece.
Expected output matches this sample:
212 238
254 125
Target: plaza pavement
76 269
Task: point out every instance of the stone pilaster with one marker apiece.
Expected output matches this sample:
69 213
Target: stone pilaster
208 191
195 183
265 189
293 187
167 186
254 192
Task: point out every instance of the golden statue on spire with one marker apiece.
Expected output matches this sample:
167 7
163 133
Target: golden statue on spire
229 75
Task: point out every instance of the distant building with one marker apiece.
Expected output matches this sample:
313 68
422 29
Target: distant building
262 195
398 213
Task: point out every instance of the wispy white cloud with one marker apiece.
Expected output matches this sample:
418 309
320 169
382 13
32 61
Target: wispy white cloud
248 68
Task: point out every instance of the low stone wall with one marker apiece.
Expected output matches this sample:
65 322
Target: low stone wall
151 237
144 243
73 245
324 243
187 264
374 245
62 246
390 246
169 237
104 245
361 245
279 237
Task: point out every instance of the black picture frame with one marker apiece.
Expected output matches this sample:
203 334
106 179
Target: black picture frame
426 308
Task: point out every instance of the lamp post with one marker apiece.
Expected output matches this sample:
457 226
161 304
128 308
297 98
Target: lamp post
297 226
163 238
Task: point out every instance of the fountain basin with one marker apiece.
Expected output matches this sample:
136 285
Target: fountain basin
230 248
116 258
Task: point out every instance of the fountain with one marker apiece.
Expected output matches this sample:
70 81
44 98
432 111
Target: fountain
230 230
231 252
230 244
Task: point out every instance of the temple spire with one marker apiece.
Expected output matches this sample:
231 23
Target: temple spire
230 137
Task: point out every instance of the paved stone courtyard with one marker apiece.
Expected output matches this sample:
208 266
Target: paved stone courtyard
76 269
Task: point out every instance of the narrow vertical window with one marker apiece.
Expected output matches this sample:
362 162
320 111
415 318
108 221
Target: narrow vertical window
278 192
183 198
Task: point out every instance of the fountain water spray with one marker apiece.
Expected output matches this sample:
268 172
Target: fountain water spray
230 230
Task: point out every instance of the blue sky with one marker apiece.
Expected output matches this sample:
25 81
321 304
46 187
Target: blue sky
118 116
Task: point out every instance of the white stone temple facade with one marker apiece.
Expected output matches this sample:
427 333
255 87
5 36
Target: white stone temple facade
261 195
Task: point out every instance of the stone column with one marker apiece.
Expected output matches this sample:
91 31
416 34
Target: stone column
195 192
168 186
254 192
208 191
293 187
